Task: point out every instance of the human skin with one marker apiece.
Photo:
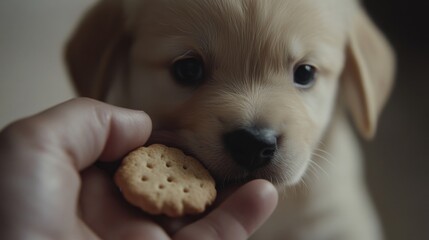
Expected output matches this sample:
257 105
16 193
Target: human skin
50 188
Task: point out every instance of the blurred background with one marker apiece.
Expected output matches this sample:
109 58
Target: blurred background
398 159
32 78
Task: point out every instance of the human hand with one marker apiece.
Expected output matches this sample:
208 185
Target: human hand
50 189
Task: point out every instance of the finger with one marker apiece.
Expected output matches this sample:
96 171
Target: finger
108 215
238 217
83 130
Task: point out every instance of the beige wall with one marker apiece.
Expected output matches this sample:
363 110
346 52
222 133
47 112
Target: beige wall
32 75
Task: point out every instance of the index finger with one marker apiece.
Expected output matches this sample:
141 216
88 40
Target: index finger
82 130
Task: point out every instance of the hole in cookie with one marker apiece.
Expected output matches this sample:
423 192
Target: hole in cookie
170 179
185 167
201 185
161 186
186 190
144 178
149 165
168 164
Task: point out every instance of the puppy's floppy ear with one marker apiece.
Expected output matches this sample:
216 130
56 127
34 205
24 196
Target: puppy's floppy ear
96 47
369 73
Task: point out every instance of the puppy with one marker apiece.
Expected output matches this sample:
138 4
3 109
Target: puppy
253 89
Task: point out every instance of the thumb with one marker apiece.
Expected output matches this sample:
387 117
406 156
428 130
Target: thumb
238 217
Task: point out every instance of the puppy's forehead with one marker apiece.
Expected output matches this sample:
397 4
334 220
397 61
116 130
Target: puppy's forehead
247 31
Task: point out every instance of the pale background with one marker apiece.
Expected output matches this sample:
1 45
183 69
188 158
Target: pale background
32 78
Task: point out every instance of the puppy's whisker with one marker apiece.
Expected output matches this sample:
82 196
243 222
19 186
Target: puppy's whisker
290 190
319 158
304 184
318 166
324 156
301 187
311 175
321 151
312 171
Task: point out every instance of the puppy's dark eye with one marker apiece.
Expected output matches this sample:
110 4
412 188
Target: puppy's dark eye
305 76
188 72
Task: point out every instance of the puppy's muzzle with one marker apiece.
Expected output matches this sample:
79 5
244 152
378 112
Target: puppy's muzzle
251 147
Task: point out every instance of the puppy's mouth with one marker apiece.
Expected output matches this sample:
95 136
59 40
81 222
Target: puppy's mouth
234 175
170 139
269 173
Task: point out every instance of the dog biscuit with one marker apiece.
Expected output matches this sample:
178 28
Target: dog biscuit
163 180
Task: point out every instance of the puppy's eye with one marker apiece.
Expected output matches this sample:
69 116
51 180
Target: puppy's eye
188 71
305 76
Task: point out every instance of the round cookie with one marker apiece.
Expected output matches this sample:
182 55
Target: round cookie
163 180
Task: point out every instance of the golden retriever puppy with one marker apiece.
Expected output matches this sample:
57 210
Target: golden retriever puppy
253 89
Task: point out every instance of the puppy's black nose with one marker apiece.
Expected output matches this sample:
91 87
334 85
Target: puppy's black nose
251 147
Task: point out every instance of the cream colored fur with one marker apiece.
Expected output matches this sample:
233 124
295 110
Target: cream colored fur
123 50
